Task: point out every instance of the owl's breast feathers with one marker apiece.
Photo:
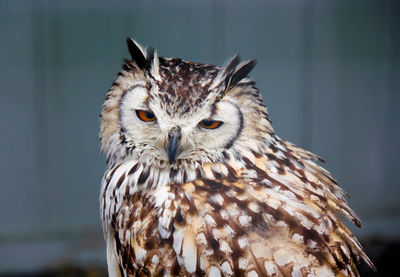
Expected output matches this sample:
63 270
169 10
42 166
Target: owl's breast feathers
269 212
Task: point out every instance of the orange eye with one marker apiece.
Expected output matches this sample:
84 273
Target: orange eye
146 116
210 124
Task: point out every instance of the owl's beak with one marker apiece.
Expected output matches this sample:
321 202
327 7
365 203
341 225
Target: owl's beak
174 136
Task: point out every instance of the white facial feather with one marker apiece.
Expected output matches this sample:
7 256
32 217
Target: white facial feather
151 138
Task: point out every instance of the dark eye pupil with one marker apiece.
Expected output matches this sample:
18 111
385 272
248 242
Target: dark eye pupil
149 114
207 123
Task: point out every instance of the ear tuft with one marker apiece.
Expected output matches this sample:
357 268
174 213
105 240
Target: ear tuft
234 73
231 74
230 68
138 53
155 66
231 65
241 72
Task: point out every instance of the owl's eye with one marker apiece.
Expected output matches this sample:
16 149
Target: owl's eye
146 116
210 124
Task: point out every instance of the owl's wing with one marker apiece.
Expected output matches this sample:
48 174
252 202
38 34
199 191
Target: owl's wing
113 259
278 215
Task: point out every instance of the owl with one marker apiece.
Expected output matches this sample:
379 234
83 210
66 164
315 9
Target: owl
197 183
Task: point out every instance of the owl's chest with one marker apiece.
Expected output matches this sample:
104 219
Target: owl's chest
134 194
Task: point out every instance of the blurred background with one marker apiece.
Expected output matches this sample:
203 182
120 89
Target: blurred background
329 72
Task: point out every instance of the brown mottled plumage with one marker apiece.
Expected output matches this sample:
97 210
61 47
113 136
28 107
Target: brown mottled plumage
198 184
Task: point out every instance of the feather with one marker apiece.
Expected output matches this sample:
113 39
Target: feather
236 200
138 53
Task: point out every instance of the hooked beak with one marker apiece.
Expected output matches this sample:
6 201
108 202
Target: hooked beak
174 137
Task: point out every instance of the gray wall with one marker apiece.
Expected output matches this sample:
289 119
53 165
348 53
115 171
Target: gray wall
329 72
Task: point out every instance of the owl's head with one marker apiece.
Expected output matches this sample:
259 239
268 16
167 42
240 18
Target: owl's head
167 111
